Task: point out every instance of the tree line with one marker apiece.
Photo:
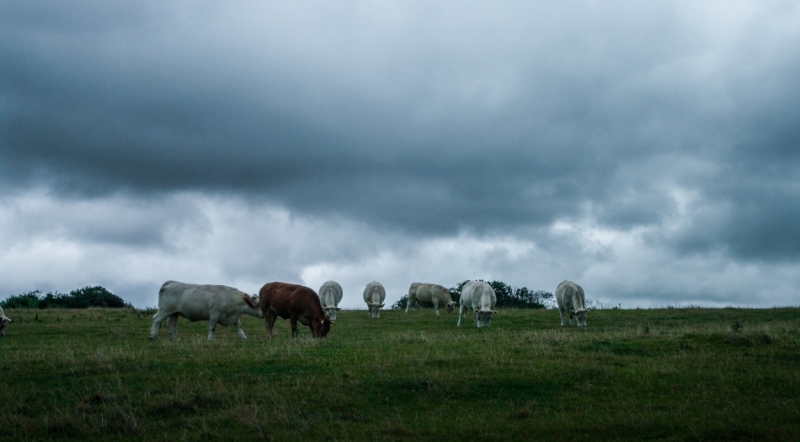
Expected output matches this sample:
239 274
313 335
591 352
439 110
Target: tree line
86 297
507 296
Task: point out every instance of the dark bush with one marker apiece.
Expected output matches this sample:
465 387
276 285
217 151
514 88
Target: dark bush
509 297
81 298
25 300
401 303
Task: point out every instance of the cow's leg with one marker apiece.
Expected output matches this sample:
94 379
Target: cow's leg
460 314
240 330
436 306
269 321
212 326
293 322
408 303
475 318
159 318
173 326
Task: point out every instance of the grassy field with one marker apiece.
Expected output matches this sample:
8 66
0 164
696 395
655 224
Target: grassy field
669 374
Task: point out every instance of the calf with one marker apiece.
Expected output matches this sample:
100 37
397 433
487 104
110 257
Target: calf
4 320
571 301
217 304
430 294
374 294
329 296
295 303
480 297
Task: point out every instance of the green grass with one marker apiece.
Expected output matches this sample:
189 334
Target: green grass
669 374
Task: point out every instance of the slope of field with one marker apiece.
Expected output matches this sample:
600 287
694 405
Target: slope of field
670 374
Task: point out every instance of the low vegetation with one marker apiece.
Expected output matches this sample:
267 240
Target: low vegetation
667 374
507 296
80 298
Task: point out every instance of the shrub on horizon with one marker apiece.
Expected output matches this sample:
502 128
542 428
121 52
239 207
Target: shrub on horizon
86 297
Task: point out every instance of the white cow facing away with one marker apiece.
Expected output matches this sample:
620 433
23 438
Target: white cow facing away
374 294
481 298
329 296
434 294
571 302
217 304
4 320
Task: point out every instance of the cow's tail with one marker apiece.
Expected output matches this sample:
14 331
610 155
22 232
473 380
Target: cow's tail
375 295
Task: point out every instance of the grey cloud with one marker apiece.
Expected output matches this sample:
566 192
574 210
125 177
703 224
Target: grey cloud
115 220
416 118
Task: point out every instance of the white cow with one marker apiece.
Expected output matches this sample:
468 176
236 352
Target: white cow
480 297
4 320
329 296
430 294
218 304
571 301
374 294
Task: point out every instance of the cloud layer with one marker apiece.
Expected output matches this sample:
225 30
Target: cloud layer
310 141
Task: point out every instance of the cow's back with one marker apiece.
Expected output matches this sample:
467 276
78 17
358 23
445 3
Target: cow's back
426 292
478 295
284 298
570 296
374 293
196 301
330 294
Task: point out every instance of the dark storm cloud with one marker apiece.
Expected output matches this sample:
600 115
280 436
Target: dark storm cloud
430 118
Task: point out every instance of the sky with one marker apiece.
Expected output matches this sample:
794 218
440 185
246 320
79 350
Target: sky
649 151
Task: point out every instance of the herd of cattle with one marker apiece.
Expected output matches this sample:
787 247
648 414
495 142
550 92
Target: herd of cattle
223 305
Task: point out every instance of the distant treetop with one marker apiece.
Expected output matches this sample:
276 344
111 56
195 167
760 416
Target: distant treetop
80 298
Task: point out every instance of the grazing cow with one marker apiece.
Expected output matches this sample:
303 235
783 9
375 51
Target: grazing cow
329 296
429 294
374 294
295 303
217 304
480 297
571 301
4 320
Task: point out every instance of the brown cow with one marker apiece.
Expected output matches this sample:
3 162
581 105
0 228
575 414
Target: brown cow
296 303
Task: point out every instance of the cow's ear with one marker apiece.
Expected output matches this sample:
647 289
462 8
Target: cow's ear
494 312
572 312
337 309
381 306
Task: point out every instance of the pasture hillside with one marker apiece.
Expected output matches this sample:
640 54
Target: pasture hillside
668 374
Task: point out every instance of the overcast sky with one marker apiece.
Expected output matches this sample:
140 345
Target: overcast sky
649 151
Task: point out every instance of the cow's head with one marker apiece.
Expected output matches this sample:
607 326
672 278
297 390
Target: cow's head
450 306
580 316
321 327
252 307
331 312
483 317
375 309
